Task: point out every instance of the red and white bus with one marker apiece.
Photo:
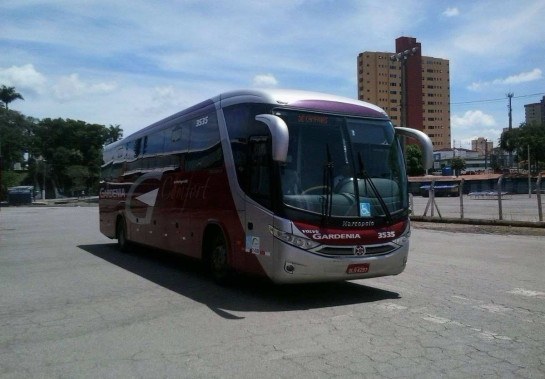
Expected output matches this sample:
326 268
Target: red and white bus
290 185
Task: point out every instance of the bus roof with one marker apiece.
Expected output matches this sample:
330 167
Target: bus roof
304 100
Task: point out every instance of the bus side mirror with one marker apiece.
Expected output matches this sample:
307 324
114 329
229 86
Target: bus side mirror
423 140
280 135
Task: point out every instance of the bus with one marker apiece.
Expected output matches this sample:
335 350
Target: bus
289 185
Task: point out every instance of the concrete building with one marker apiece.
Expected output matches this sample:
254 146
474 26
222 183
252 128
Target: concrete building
535 113
476 162
427 88
482 145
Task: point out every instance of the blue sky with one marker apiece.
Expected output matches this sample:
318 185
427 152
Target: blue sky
131 63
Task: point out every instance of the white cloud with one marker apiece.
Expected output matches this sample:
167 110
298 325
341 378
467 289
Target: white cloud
162 98
471 125
163 94
497 33
476 86
70 87
161 67
472 119
153 104
523 77
23 78
451 12
265 80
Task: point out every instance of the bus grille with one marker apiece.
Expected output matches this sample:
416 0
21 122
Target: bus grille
349 251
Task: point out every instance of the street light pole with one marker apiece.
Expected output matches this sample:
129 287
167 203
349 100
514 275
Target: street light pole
43 187
529 175
402 57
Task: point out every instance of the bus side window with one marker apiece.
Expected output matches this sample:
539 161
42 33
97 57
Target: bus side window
176 145
137 147
239 149
106 172
117 171
241 124
204 146
259 169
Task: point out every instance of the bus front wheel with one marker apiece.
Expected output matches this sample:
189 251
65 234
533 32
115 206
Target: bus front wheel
219 266
121 235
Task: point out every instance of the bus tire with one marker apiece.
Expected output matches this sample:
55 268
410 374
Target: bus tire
218 260
121 235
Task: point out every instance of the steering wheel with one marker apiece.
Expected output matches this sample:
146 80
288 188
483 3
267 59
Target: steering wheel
312 189
342 183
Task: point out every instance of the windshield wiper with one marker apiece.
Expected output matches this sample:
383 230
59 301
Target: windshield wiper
369 181
327 202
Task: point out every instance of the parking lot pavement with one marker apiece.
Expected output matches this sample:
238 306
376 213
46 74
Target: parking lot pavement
72 306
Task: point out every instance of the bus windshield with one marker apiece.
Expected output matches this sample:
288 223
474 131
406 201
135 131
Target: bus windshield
340 166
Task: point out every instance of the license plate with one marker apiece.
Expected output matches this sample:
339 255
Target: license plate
357 268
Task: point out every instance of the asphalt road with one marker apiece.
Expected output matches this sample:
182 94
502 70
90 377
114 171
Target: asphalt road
468 305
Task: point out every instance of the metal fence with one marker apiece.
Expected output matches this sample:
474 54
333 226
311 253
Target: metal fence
450 202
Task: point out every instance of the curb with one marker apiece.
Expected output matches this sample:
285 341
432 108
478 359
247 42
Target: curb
476 221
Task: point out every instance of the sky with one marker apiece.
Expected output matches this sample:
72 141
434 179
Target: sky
131 63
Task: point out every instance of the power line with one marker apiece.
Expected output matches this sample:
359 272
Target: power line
499 99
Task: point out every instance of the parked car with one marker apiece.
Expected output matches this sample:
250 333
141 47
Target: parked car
440 190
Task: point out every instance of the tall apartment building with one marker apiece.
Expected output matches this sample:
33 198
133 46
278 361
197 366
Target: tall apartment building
427 89
535 113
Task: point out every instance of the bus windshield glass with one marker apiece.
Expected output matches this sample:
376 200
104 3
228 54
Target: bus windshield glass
341 166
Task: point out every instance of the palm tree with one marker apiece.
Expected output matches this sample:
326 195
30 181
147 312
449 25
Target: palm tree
8 94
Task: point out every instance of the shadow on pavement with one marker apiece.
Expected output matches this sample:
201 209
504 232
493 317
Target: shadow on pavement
188 278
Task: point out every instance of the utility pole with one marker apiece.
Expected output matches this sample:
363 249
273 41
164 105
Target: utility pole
510 96
485 155
1 167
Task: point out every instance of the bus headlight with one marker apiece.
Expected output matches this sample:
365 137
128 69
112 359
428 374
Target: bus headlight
403 238
297 241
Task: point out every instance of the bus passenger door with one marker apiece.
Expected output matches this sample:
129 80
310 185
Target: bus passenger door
259 240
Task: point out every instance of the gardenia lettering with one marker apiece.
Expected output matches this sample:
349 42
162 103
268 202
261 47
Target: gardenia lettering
113 193
340 236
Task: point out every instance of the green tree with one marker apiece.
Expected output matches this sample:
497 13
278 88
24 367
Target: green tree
413 155
458 164
495 163
8 94
72 150
113 133
79 176
15 140
15 136
526 136
12 179
68 146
